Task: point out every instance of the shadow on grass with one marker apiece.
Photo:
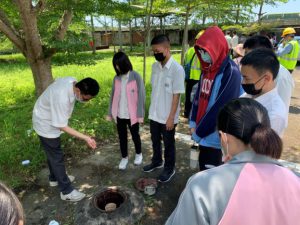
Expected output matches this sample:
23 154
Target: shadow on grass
61 59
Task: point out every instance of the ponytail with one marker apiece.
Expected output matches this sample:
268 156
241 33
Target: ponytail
266 141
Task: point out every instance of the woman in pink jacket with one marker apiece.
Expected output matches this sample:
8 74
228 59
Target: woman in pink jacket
252 187
127 106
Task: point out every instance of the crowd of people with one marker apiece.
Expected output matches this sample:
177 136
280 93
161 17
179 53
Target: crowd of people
237 112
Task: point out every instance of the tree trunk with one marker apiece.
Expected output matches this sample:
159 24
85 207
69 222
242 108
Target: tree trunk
120 39
130 35
260 11
237 14
161 24
203 18
93 35
185 33
42 75
147 32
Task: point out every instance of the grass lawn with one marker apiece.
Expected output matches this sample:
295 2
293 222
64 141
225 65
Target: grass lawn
18 142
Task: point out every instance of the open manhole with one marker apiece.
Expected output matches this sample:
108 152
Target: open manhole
109 200
112 205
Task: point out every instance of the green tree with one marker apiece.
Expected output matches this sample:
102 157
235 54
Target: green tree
261 3
40 28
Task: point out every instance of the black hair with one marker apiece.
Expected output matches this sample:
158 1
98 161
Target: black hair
11 210
88 86
123 62
262 60
248 121
258 41
160 39
228 32
234 32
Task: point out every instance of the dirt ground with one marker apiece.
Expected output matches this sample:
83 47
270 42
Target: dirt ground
42 203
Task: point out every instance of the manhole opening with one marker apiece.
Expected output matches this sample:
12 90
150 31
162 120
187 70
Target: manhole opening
109 200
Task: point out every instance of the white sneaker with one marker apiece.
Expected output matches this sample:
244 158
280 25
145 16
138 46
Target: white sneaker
138 159
123 163
74 196
55 183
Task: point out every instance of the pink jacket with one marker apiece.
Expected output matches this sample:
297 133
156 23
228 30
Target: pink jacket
135 91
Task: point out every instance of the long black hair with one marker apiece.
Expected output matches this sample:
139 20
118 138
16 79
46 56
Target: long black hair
123 62
11 211
248 120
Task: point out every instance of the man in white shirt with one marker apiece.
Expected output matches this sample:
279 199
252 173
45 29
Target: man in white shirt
228 39
284 81
234 40
167 84
259 70
50 118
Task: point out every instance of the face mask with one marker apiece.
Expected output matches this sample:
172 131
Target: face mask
250 88
79 99
206 57
159 57
225 151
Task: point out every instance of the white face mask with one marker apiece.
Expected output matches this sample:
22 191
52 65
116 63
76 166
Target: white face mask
79 99
225 150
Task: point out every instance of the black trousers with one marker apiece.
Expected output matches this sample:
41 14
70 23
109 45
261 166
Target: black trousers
189 84
209 156
122 131
55 160
158 132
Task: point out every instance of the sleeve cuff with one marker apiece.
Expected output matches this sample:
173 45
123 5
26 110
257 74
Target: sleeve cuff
192 124
195 137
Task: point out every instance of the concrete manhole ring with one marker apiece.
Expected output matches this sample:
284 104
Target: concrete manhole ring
110 206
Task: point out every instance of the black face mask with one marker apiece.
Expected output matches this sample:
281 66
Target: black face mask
250 88
159 57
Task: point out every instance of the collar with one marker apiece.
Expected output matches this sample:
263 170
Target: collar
265 98
250 156
168 64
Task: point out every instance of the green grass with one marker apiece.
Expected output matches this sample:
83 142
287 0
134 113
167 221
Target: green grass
17 98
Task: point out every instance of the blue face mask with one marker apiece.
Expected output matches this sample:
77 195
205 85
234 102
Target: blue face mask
206 57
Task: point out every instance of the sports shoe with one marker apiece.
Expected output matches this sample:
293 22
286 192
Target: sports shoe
138 159
123 163
152 166
74 196
55 183
166 176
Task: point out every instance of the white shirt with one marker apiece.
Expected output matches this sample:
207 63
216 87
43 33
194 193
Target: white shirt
276 110
234 41
123 103
166 81
54 107
285 85
228 39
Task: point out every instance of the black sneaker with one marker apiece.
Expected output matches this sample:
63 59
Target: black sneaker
152 166
166 176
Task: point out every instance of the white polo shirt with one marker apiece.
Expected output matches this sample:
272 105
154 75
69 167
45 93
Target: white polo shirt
54 107
276 109
166 81
285 85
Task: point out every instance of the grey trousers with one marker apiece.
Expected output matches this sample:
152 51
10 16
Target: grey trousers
55 160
